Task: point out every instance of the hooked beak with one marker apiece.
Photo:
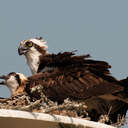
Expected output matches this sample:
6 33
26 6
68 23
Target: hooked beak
5 78
22 50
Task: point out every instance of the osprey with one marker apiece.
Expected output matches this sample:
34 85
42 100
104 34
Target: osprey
34 50
80 81
14 82
66 75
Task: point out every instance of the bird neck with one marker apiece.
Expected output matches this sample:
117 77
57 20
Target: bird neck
33 60
13 87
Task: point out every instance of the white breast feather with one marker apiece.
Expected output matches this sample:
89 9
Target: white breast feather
33 60
12 84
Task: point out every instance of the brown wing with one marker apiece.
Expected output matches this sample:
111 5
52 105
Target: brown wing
70 60
77 83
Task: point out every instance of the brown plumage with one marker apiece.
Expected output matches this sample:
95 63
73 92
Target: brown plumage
79 78
85 80
70 60
74 77
65 75
77 84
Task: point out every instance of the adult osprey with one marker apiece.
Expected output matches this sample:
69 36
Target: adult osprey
65 75
34 50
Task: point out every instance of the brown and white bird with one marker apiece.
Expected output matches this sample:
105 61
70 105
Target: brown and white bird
66 75
14 82
33 49
77 78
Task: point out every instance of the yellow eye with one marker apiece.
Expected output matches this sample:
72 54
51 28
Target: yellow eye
29 44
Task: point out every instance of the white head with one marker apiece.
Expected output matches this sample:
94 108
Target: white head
32 49
13 81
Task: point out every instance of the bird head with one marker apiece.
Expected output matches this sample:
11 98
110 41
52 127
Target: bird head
32 49
31 46
13 81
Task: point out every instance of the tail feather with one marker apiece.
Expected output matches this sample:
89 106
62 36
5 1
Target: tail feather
124 82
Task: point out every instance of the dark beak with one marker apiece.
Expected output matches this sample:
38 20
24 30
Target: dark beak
22 50
2 82
5 78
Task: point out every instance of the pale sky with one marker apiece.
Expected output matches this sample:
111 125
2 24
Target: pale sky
97 27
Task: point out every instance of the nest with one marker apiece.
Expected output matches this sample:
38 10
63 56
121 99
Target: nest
44 105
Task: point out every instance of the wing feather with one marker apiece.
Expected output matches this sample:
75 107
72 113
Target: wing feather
75 77
74 83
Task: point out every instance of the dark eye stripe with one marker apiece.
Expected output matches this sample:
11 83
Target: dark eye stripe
12 73
18 79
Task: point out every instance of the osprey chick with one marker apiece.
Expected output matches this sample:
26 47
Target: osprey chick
14 81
